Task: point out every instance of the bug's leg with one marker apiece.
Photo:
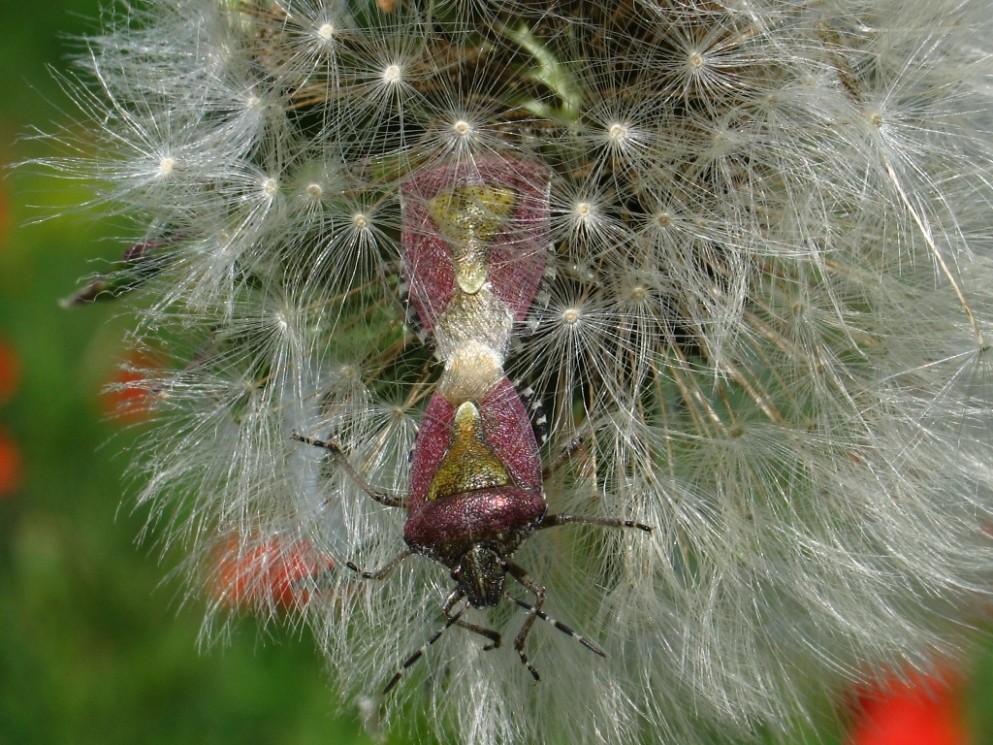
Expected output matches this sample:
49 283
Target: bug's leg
579 442
536 413
383 571
491 634
339 455
420 652
538 591
590 645
552 521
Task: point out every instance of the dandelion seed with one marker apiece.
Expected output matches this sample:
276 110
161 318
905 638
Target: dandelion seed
270 187
166 166
618 133
571 316
392 74
325 32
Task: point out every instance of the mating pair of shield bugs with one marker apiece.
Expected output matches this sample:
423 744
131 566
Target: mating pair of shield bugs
474 239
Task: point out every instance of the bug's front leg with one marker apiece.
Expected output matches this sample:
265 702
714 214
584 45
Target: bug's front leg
334 448
492 634
383 571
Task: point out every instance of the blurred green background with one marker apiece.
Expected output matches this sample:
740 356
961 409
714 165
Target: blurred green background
95 645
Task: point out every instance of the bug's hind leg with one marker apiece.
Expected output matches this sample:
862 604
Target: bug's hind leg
568 630
538 591
553 521
420 652
451 619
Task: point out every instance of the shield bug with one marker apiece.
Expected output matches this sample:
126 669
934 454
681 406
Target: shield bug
476 495
474 241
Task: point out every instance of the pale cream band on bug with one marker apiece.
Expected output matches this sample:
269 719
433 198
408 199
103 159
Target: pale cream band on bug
472 335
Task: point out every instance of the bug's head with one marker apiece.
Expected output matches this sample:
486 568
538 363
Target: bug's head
480 575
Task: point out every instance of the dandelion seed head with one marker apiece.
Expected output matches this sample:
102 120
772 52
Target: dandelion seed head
583 217
762 328
638 293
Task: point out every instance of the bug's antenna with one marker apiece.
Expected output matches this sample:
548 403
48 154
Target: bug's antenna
592 646
420 652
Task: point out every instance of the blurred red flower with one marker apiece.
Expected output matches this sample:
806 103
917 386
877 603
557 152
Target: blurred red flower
916 711
11 471
11 462
128 396
262 573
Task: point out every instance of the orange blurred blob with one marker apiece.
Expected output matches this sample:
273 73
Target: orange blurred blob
924 711
259 574
10 372
11 465
130 396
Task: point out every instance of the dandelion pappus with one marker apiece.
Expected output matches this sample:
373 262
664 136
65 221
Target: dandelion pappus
474 253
